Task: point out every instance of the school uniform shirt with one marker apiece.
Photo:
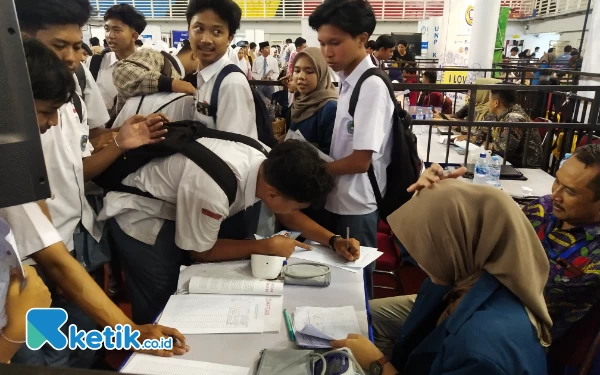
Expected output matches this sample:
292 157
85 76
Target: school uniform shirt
64 146
176 106
369 130
105 79
235 112
97 114
271 71
186 195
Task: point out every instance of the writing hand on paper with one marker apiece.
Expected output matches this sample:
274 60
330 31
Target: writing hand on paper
282 246
362 349
433 175
155 331
350 250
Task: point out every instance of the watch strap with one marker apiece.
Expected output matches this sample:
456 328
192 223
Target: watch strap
332 240
383 361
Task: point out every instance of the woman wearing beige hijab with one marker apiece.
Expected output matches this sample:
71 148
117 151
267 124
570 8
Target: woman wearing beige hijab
315 99
482 310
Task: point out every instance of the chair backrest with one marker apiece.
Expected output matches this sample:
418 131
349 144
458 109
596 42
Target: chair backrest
578 347
584 141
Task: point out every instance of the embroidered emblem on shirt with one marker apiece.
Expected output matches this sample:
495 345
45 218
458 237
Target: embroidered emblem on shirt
203 108
84 140
350 127
211 214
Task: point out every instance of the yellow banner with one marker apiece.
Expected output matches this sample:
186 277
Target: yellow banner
258 8
454 77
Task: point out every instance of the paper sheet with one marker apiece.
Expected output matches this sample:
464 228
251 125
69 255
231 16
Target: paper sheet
316 326
195 314
239 285
151 365
298 136
324 255
273 314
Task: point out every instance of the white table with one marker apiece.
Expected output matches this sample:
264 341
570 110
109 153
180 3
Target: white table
346 289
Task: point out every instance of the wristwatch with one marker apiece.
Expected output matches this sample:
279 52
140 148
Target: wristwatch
376 367
332 241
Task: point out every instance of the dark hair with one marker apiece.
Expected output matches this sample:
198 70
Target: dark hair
574 53
514 49
87 49
351 16
568 49
371 44
385 41
295 169
35 15
128 15
551 50
431 76
299 42
252 45
50 78
227 10
288 40
94 41
139 42
537 48
508 98
403 42
185 47
590 155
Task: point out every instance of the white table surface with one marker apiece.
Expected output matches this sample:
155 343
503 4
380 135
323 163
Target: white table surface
346 289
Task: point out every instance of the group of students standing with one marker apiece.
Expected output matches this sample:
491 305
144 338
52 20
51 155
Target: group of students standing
171 212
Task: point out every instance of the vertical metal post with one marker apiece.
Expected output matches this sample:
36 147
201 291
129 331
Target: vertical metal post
403 9
471 119
98 7
265 8
585 20
383 10
302 11
283 8
170 9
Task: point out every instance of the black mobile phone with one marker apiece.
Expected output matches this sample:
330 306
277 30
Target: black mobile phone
444 116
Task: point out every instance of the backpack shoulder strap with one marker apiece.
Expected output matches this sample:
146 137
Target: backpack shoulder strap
80 73
214 97
95 64
369 73
171 102
171 60
137 111
76 100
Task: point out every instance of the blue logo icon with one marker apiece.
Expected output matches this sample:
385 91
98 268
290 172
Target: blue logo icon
43 326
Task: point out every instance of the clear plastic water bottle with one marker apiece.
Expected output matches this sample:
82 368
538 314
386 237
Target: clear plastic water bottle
420 115
406 104
430 114
564 159
481 170
494 172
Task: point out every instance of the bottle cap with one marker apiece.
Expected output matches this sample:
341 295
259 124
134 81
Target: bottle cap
483 155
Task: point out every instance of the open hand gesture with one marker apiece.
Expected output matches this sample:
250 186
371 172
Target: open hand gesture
137 132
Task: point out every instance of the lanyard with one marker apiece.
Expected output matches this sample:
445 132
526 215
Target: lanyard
570 251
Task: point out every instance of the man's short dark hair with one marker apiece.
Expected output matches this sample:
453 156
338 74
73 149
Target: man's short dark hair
514 49
50 78
351 16
385 41
35 15
537 48
252 45
139 43
128 15
300 41
431 76
227 10
551 50
589 155
94 41
295 169
508 98
371 44
288 40
403 43
87 49
568 49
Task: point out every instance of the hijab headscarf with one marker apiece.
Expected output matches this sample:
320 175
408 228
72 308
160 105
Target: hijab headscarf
457 230
243 64
483 97
307 105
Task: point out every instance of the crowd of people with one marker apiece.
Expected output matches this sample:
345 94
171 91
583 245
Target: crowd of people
503 283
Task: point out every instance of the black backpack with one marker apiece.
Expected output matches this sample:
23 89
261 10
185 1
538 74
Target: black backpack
181 138
405 166
264 125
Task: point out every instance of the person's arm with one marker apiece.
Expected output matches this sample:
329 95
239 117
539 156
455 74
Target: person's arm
358 161
131 135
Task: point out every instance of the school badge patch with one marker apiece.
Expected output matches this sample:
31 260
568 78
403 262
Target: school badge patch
84 140
350 127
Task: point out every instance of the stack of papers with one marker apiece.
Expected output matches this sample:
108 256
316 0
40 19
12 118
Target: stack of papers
324 255
152 365
316 327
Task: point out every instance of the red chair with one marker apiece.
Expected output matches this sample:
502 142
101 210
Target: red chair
578 348
584 140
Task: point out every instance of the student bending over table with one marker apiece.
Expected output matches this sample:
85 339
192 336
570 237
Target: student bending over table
482 311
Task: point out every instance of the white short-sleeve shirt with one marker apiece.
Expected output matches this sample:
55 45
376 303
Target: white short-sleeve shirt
176 106
64 146
370 129
186 195
105 79
235 112
96 110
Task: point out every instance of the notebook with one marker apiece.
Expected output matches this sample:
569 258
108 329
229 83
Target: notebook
316 327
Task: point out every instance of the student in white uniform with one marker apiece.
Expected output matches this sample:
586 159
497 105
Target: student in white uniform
265 68
123 26
53 87
343 29
57 24
213 24
192 217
